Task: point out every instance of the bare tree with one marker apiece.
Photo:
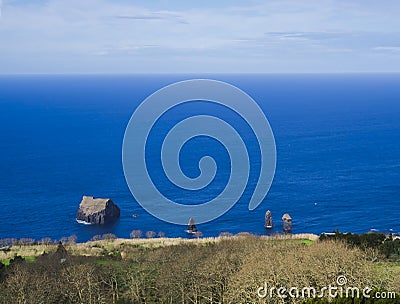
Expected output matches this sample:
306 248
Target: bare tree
136 234
96 238
72 239
46 241
150 234
109 236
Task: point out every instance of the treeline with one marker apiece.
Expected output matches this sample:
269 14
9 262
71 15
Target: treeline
31 241
73 238
228 271
386 245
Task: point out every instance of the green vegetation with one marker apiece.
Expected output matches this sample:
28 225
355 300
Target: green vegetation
306 242
229 269
6 262
386 245
30 258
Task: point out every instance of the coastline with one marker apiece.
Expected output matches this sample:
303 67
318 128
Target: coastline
98 247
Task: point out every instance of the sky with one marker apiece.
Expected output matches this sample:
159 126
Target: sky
182 36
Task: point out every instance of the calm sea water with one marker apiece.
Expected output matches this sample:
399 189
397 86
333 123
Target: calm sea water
337 136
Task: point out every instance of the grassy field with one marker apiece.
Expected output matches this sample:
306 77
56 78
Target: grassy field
98 248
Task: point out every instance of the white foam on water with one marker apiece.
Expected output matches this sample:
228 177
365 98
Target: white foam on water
83 222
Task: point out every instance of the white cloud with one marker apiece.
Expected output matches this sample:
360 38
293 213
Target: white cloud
387 48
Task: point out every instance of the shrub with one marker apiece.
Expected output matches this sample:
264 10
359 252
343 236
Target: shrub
46 241
72 239
225 234
64 240
96 238
26 241
135 234
150 234
109 236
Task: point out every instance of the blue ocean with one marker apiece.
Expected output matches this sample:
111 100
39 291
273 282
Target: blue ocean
337 139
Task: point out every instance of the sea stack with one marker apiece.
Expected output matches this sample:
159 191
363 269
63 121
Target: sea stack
192 226
97 210
268 220
287 223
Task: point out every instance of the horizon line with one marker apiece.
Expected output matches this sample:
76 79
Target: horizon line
193 73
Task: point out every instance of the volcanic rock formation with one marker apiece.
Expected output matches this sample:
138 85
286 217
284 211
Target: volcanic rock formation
287 223
97 211
268 220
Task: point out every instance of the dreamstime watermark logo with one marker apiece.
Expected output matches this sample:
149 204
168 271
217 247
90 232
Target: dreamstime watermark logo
341 280
135 146
331 291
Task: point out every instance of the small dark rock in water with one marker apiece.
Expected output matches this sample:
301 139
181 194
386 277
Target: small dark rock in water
287 223
268 220
97 210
